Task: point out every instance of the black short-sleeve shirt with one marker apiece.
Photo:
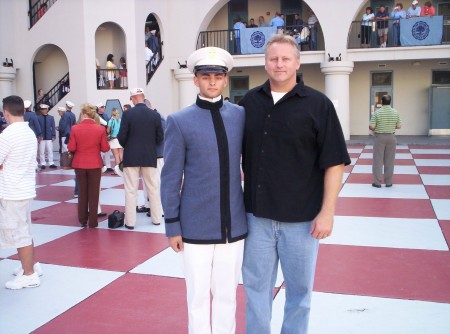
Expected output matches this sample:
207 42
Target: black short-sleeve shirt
287 148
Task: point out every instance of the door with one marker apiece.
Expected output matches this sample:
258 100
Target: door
236 9
238 88
381 84
440 107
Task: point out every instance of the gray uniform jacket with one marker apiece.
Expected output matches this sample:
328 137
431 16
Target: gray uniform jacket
203 144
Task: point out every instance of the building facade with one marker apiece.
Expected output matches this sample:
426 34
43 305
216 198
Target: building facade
70 36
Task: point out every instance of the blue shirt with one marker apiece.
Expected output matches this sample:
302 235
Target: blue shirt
114 126
238 26
277 22
398 14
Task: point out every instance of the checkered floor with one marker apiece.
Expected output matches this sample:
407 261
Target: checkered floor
385 269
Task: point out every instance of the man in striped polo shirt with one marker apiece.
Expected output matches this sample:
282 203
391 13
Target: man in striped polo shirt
384 122
18 147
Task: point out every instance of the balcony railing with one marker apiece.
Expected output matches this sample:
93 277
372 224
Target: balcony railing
38 9
361 37
112 78
226 39
154 63
56 93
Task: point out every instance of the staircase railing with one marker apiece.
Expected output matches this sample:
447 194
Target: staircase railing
154 63
55 94
38 9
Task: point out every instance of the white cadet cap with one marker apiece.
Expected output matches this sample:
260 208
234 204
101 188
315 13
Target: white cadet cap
210 60
136 91
100 105
27 104
415 2
61 109
43 106
70 104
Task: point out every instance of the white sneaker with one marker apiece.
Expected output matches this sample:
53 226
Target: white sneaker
24 281
104 169
37 269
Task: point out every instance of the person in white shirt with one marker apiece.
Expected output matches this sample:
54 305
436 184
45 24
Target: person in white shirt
18 147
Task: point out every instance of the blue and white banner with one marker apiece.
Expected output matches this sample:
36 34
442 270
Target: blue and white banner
253 40
421 31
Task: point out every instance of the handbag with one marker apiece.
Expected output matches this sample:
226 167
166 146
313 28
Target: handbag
116 219
66 160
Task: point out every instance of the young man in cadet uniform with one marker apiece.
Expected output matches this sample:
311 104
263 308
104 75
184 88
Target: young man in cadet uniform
206 221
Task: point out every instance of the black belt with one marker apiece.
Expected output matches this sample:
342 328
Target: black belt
384 133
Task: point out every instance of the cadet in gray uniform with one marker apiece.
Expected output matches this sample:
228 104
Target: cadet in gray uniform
202 195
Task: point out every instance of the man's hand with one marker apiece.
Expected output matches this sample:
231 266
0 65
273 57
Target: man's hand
176 243
322 226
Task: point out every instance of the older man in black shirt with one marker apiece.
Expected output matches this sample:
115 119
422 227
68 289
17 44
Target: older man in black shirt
293 160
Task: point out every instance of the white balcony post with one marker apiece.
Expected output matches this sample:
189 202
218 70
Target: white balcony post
7 77
186 87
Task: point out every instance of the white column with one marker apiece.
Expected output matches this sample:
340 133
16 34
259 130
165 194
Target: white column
187 90
7 77
337 88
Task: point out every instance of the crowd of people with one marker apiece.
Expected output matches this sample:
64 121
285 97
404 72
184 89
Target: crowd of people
381 19
305 33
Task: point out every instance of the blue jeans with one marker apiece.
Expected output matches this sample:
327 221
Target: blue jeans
396 34
267 243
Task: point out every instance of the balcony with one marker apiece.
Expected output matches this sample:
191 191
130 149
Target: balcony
112 78
361 37
238 42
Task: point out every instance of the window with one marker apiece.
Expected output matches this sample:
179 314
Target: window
381 78
440 78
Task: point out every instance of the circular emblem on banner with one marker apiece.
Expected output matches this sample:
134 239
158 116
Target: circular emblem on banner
420 30
257 39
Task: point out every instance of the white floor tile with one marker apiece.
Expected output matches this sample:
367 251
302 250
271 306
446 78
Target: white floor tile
167 263
387 232
354 150
143 224
61 172
435 180
61 288
441 208
397 191
349 314
367 169
429 151
345 177
433 162
36 204
353 161
397 156
42 234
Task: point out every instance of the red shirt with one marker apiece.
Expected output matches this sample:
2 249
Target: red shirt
427 11
87 140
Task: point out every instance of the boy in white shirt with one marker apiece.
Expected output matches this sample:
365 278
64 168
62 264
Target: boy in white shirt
18 147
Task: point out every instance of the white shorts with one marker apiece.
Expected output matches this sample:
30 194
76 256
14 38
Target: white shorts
114 143
15 223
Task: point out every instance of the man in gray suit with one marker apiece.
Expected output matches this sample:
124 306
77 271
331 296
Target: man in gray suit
202 195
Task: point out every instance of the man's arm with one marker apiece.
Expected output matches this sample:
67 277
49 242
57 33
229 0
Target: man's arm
322 225
171 180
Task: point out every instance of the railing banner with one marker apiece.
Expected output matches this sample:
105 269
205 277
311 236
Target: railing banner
253 40
421 31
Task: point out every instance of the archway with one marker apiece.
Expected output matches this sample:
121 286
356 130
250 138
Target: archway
111 72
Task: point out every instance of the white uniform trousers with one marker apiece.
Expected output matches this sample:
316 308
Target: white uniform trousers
152 182
212 270
63 145
46 146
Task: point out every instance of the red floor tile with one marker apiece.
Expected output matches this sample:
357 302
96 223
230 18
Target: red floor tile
46 179
385 207
384 272
134 304
54 193
438 192
397 179
65 214
436 170
430 147
398 162
445 226
348 168
116 250
354 155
